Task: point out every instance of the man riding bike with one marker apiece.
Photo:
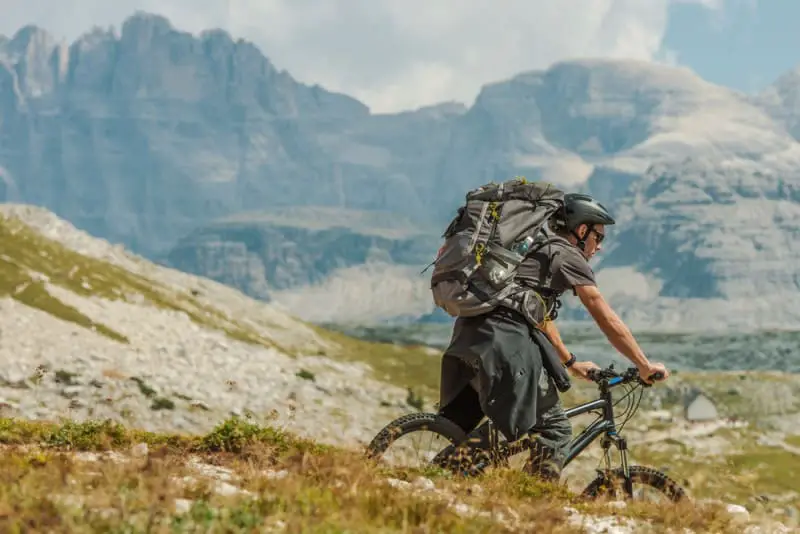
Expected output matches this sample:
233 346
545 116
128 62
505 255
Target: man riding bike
495 363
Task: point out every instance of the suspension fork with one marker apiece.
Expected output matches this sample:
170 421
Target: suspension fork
620 442
622 445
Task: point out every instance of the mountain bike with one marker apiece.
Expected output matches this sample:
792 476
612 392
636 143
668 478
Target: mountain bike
496 451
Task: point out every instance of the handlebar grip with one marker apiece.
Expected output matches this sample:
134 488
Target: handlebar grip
658 375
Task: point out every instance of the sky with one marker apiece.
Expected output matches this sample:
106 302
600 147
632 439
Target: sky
402 54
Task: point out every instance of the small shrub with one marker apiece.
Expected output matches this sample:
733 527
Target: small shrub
234 434
162 403
146 390
65 377
306 375
88 435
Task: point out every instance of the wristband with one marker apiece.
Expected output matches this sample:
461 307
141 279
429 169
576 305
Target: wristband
571 361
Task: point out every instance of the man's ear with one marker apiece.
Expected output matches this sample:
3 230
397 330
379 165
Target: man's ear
582 230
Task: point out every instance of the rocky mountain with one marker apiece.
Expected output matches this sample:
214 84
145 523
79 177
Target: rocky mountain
703 182
782 101
141 137
716 243
197 151
291 247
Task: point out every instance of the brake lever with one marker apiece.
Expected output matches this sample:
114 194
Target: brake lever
658 375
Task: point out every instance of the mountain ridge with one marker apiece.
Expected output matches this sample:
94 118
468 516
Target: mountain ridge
148 153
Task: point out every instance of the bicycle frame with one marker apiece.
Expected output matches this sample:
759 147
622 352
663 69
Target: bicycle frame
605 427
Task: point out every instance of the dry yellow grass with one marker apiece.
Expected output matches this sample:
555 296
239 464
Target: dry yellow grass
293 485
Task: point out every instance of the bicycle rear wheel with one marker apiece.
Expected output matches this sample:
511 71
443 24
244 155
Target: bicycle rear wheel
612 484
388 445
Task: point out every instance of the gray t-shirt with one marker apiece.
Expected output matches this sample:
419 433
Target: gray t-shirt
565 262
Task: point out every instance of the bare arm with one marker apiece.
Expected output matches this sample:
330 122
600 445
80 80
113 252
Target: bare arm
612 326
550 330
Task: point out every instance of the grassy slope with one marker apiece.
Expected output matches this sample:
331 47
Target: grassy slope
28 261
325 489
738 468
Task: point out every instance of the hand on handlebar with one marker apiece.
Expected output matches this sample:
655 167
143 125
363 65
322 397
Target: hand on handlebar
653 372
583 369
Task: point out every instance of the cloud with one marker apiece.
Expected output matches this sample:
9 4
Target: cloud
393 54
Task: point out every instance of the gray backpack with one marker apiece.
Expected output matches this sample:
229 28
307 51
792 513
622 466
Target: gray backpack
484 244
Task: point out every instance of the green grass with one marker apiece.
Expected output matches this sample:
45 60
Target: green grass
740 473
794 441
408 366
773 469
232 435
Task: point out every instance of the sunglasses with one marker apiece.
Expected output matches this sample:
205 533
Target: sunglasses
598 236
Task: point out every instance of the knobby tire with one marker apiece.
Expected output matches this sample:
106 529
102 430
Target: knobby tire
644 476
415 422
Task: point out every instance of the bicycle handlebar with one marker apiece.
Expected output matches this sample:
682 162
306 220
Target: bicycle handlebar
613 378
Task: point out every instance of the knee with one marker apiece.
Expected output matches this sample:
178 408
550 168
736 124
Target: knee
564 428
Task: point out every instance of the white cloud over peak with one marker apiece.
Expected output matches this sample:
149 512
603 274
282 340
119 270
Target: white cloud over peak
392 54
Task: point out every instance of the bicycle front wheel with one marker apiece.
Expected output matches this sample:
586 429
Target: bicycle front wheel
428 435
646 481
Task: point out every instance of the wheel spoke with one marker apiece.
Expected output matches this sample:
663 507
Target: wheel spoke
401 443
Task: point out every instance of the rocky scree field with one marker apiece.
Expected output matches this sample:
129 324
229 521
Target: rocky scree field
90 331
256 419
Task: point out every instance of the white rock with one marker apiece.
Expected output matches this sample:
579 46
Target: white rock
773 528
211 471
225 489
182 506
597 525
399 484
86 456
463 509
276 475
140 450
424 484
737 510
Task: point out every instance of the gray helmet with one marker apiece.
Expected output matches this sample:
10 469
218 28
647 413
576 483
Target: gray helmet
582 209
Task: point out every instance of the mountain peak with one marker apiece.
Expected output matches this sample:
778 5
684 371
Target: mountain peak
151 60
145 21
630 73
28 33
29 38
781 100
